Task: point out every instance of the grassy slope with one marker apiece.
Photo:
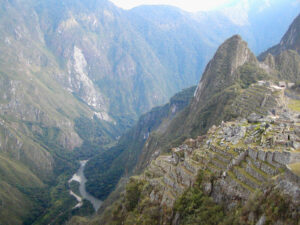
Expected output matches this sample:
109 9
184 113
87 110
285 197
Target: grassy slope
15 178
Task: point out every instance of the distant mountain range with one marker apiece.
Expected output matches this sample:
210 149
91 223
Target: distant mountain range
76 74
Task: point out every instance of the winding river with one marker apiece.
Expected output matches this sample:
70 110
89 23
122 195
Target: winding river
81 179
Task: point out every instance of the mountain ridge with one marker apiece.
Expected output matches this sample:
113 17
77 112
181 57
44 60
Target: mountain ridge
251 157
73 77
289 41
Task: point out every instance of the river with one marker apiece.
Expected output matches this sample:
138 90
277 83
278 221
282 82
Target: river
81 179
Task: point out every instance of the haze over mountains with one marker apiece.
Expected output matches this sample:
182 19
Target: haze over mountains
76 74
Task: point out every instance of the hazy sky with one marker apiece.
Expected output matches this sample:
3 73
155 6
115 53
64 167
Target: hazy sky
189 5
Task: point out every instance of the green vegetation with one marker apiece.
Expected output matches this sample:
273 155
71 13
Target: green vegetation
295 168
94 131
274 205
138 208
105 169
61 203
294 105
288 65
140 66
197 208
74 186
194 207
86 209
96 135
133 194
23 196
102 175
250 74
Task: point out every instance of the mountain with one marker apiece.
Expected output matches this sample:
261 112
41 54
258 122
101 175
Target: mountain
74 76
241 171
166 31
284 57
255 17
290 40
223 93
195 37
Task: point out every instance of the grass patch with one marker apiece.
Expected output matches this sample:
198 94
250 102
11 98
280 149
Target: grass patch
294 105
295 167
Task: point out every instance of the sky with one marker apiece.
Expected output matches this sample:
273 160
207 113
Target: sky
188 5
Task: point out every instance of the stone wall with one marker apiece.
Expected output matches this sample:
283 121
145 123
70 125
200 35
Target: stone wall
254 173
283 158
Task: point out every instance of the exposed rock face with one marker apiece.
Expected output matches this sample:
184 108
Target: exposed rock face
81 84
219 72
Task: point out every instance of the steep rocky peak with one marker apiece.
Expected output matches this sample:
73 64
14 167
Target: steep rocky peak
220 71
291 39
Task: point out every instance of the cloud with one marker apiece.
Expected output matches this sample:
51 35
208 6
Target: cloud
265 6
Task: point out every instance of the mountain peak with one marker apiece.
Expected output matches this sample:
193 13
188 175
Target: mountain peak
290 41
235 37
219 73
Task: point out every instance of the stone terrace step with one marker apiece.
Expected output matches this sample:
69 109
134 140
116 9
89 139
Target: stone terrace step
263 166
220 151
256 173
222 158
246 178
244 186
220 164
213 169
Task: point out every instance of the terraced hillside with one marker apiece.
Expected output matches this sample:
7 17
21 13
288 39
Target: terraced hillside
236 161
257 98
